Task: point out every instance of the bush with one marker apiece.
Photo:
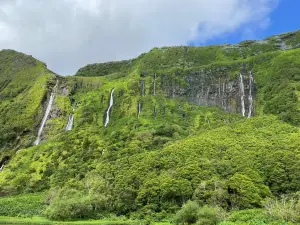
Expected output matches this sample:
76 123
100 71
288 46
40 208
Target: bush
191 213
188 213
208 216
67 209
283 209
245 192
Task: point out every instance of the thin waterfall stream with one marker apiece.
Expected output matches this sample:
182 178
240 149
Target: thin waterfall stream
250 97
111 102
242 90
142 87
2 167
139 108
46 115
70 122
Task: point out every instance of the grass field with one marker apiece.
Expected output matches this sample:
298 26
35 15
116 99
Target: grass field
44 221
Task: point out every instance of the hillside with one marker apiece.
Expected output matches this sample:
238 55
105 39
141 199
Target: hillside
218 125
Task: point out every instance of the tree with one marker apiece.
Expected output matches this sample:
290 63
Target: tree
188 213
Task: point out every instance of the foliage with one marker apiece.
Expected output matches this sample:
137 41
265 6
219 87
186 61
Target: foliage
210 216
287 209
22 205
246 192
191 213
44 221
250 217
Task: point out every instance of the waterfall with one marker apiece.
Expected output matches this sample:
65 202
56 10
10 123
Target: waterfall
154 85
70 122
139 108
3 162
47 112
2 167
154 112
111 102
242 90
250 98
142 87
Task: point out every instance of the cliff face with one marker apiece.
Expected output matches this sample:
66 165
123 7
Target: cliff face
204 89
215 86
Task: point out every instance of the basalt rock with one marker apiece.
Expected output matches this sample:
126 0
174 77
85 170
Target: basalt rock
217 88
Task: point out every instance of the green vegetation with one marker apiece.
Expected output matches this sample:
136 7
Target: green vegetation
172 162
44 221
191 213
25 205
286 208
23 85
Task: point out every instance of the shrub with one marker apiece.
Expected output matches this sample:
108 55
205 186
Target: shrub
72 208
245 192
287 209
191 213
208 216
188 213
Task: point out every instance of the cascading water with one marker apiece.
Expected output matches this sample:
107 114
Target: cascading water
250 97
70 122
139 108
3 162
2 167
48 109
111 102
154 85
242 92
142 87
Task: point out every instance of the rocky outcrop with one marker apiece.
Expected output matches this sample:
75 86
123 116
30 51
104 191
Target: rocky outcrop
214 87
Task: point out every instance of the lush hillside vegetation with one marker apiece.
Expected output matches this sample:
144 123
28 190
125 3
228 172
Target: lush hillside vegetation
178 146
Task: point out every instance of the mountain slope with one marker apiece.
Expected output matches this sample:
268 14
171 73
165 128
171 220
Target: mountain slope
23 82
216 124
25 86
211 75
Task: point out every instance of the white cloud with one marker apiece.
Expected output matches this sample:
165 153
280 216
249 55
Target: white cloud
67 34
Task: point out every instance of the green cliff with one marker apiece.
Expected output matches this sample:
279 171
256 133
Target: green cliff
218 125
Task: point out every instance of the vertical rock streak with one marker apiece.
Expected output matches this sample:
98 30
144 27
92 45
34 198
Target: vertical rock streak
154 85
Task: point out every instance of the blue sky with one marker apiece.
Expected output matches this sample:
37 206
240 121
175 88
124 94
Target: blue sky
284 18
